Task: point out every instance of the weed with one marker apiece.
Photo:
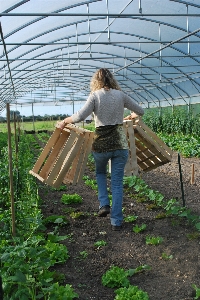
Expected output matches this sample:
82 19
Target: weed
117 277
138 229
131 292
153 240
161 215
56 219
197 290
130 218
83 254
69 199
193 236
166 256
76 215
100 244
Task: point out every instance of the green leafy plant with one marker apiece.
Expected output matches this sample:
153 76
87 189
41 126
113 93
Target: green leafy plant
56 219
61 292
100 244
118 277
69 199
153 240
197 290
115 277
166 256
138 229
83 254
193 236
130 218
131 292
77 214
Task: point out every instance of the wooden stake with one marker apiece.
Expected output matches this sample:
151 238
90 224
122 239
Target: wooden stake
192 174
10 170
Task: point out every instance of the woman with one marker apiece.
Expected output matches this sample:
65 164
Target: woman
107 102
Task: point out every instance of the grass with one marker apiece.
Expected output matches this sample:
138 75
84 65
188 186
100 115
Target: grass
40 125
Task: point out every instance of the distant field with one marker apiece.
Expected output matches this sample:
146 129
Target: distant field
38 125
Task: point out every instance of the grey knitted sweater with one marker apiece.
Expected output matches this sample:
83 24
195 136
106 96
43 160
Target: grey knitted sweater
108 107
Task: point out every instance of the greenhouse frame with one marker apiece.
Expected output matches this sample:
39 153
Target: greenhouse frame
50 50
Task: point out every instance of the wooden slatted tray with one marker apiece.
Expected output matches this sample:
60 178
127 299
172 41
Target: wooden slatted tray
151 151
131 167
64 157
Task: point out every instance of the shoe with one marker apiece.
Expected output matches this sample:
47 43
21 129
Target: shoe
104 211
116 228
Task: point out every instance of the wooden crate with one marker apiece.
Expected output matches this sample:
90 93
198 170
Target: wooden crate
151 151
64 157
131 167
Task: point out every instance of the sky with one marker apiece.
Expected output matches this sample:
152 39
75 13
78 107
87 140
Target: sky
43 110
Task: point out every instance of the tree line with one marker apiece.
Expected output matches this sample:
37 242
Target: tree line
16 115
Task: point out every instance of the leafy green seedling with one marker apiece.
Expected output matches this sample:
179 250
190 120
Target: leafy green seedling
61 188
115 277
69 199
153 240
166 256
138 229
118 277
62 292
56 219
132 292
100 244
161 215
76 215
83 254
197 296
193 236
130 218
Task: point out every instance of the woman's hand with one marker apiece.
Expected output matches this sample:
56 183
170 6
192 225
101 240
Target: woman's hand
63 123
133 116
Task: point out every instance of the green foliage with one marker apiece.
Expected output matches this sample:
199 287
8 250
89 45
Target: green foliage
130 293
193 236
56 219
27 257
118 277
91 183
172 207
115 277
177 121
83 254
130 218
77 214
179 129
69 199
186 144
61 292
153 240
138 229
100 244
166 256
197 290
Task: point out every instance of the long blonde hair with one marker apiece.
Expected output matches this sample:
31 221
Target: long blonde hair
103 78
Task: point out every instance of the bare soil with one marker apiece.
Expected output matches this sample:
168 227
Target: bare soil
168 279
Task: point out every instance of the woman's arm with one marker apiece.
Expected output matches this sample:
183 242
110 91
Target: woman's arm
80 115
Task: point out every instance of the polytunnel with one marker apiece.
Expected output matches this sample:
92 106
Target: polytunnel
50 49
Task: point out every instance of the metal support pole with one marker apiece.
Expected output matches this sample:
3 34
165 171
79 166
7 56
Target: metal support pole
33 118
10 169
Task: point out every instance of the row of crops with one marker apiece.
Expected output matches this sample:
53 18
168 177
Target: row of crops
180 130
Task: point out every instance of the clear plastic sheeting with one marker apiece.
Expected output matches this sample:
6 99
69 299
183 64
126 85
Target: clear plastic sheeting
50 49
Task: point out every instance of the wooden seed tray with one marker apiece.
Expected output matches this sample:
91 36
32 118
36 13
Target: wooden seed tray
151 151
64 157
